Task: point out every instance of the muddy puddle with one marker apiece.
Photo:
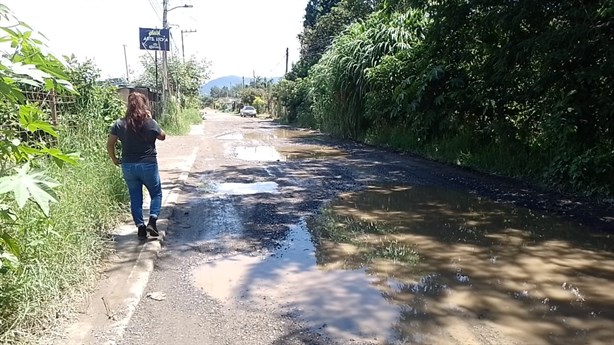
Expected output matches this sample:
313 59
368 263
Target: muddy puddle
309 152
344 304
265 146
464 270
286 153
278 133
258 153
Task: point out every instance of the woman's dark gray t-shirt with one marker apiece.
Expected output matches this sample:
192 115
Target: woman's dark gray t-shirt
137 147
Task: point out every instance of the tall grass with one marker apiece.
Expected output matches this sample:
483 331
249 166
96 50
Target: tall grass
177 121
61 253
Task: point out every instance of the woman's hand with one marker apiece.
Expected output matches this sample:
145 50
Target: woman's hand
111 141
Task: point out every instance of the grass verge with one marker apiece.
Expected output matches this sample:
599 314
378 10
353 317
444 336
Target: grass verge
178 122
61 254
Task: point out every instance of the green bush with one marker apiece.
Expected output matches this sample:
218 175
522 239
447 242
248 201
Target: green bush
62 252
177 121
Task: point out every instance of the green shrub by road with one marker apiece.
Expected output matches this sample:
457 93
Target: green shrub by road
177 121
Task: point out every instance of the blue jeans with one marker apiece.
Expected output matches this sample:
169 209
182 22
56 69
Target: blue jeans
138 175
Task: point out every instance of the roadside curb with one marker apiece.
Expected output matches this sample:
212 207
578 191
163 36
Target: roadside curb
149 253
113 304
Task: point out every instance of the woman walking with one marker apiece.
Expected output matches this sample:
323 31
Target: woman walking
138 133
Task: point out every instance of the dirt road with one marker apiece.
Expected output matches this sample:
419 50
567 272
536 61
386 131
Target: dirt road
285 236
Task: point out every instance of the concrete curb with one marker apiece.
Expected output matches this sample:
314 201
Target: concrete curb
149 253
106 322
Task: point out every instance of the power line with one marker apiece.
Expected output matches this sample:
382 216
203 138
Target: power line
152 3
183 44
273 69
174 43
193 20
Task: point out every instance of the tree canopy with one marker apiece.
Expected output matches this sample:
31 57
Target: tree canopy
184 77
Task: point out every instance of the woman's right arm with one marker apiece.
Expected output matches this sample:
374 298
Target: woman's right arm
111 141
162 135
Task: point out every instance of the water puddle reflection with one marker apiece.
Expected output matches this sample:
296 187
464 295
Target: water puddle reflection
285 153
258 153
309 152
279 133
469 271
342 303
246 188
264 146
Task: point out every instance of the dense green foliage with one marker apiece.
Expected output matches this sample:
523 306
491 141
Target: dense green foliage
325 19
523 88
54 216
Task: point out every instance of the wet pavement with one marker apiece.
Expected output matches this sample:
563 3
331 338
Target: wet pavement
286 236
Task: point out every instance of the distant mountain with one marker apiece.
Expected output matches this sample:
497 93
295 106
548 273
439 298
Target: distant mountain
228 81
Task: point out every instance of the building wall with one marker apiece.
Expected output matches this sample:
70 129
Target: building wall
154 98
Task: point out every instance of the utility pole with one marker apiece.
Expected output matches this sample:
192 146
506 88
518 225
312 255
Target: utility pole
164 57
156 63
182 46
165 25
287 56
126 62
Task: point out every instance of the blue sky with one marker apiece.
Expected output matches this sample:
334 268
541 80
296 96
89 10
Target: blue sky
237 36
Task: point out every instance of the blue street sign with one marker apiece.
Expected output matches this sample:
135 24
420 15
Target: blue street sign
154 39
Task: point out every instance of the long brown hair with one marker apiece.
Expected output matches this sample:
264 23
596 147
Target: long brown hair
137 112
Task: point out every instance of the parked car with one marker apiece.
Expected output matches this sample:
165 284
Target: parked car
248 111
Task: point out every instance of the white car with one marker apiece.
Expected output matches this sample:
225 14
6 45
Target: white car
248 111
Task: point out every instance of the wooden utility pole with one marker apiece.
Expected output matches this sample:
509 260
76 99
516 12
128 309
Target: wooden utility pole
287 56
165 84
182 45
164 57
156 63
